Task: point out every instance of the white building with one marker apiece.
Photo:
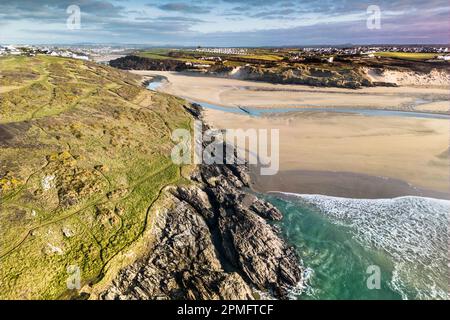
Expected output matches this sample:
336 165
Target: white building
80 57
234 51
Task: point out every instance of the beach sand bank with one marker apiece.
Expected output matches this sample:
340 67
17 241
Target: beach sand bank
232 93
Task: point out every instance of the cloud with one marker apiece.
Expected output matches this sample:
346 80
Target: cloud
272 13
173 19
254 22
332 7
184 7
54 10
412 30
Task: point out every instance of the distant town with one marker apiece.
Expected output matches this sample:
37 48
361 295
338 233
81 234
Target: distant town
103 54
93 53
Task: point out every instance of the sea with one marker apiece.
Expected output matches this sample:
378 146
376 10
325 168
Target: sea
354 249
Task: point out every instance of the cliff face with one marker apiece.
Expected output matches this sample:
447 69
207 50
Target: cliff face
215 242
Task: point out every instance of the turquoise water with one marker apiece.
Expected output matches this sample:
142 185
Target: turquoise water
339 239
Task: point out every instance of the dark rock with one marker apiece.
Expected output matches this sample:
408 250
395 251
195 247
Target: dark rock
182 264
194 109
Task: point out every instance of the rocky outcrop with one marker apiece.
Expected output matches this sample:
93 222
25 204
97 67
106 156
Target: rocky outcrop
301 75
182 264
213 243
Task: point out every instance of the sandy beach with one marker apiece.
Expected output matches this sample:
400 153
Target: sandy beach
411 150
340 154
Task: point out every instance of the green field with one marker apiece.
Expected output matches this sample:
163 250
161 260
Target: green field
407 55
264 57
157 54
163 54
192 56
84 160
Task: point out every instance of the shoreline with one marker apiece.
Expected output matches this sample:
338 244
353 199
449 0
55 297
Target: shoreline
338 184
208 201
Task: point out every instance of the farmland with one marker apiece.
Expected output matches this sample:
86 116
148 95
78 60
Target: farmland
407 55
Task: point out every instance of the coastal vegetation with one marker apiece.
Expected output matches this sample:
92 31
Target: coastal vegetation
84 160
262 55
407 55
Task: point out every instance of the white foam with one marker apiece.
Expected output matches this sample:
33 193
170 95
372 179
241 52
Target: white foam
412 230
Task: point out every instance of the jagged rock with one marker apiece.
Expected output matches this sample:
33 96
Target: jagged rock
249 243
263 208
195 110
182 265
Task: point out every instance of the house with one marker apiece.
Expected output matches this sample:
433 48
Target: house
80 57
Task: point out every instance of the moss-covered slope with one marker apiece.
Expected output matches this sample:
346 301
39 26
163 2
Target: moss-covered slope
84 155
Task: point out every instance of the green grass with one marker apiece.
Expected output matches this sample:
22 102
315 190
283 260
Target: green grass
154 56
407 55
162 54
104 143
189 56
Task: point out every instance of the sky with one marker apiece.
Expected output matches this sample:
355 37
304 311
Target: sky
227 23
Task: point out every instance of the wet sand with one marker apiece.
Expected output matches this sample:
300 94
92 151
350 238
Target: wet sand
405 156
338 184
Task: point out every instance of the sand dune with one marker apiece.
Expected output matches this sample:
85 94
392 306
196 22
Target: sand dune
403 78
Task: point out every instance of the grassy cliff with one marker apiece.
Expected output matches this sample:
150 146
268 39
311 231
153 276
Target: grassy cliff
84 157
